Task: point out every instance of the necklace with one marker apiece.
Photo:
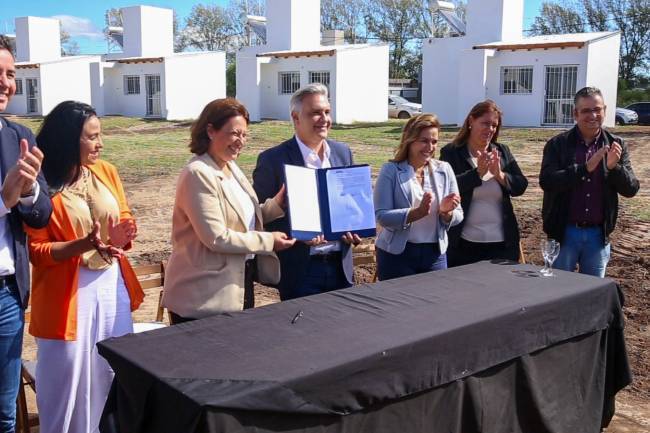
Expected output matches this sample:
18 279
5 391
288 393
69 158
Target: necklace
82 190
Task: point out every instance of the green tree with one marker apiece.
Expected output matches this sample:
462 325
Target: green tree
346 15
556 19
69 47
211 28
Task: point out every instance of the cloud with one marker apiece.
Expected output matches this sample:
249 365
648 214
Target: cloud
79 27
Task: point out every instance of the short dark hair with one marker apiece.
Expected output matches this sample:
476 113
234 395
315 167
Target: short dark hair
60 140
216 113
5 44
587 92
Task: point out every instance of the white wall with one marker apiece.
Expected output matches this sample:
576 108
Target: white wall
116 102
602 71
528 110
191 81
494 20
362 85
248 80
18 103
148 31
292 24
37 39
441 76
73 71
276 106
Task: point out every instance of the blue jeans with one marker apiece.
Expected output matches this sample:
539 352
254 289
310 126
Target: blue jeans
321 276
11 343
415 259
585 248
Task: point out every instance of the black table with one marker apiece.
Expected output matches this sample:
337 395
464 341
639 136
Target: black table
481 348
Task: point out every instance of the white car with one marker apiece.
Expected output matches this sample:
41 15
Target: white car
626 117
402 108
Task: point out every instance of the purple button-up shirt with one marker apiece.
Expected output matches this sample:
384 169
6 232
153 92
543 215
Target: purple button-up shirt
587 205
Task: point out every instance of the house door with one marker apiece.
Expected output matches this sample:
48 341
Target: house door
32 95
152 83
560 90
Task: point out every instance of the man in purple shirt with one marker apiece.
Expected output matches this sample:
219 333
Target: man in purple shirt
583 172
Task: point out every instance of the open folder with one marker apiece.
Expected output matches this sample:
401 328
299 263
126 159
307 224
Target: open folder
331 201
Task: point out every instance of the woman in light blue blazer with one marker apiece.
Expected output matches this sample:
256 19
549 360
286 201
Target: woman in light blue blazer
416 201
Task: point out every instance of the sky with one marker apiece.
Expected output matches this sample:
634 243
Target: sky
84 19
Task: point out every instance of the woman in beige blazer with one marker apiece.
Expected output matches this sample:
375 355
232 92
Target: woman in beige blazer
218 246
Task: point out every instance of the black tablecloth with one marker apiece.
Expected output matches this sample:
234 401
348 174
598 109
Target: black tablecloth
484 347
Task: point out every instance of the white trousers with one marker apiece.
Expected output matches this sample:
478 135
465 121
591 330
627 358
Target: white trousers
72 379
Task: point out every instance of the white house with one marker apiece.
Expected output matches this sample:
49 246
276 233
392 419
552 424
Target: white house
293 56
43 77
532 79
147 79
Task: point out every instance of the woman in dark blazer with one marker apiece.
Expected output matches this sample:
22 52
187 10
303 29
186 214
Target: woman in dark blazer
488 176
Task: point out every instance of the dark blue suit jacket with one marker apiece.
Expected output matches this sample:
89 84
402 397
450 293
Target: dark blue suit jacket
268 178
36 216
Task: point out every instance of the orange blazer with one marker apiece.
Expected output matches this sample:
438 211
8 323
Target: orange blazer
55 283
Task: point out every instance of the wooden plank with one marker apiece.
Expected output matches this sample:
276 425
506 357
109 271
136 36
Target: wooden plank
151 283
147 269
531 46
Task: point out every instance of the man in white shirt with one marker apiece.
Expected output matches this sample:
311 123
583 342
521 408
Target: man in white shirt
23 199
316 266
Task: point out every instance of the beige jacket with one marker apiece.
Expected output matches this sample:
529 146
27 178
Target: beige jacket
210 240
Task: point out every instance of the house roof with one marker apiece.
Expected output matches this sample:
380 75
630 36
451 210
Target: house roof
576 40
329 50
114 57
139 60
32 65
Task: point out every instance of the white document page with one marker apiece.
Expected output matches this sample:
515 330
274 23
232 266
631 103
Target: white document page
302 195
349 192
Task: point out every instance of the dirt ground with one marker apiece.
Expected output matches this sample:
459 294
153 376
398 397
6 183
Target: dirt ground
152 201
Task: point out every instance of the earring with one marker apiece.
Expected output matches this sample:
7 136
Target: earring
470 127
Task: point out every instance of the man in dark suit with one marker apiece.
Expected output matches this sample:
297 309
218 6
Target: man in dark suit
23 199
316 266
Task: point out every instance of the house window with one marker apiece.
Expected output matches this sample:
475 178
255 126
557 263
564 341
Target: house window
289 82
322 77
131 84
19 86
516 80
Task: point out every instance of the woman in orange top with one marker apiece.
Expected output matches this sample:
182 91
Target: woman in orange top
83 287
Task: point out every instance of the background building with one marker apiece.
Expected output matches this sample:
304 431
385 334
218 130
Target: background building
532 79
294 55
146 79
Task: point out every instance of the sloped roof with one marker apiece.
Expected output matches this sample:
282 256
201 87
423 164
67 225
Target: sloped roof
328 50
577 40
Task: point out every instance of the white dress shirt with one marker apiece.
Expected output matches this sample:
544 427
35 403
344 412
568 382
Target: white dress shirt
312 160
7 259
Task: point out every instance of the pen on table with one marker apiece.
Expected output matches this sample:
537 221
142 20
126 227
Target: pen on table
296 317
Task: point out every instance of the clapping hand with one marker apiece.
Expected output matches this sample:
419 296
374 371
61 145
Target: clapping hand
21 177
483 163
613 155
494 165
449 203
595 159
122 233
104 250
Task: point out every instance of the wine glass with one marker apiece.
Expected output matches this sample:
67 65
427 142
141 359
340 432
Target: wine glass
550 251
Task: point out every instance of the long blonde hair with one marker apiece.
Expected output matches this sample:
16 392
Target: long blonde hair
487 106
411 132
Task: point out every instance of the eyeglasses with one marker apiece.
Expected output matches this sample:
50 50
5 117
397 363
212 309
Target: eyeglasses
595 110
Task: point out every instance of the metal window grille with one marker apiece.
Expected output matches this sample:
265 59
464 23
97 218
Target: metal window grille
322 77
289 82
19 86
32 95
152 83
560 89
516 80
131 85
